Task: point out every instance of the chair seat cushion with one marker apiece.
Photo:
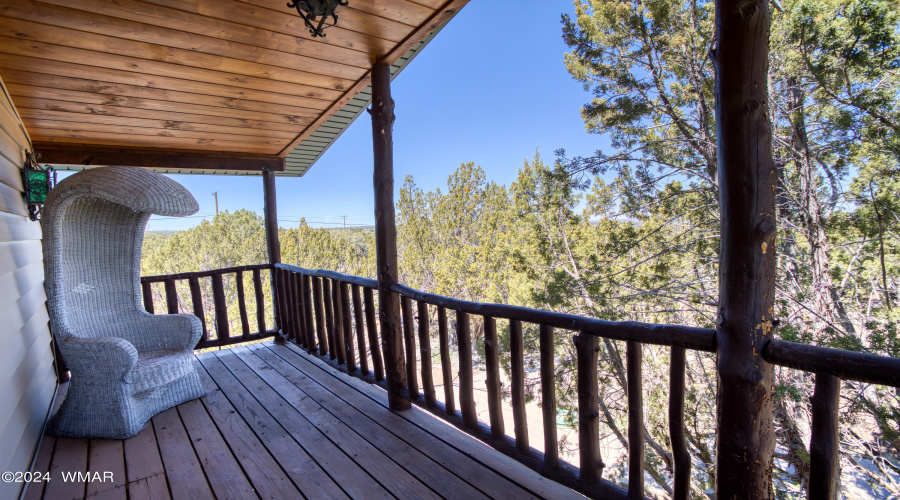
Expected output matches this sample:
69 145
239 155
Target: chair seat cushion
156 368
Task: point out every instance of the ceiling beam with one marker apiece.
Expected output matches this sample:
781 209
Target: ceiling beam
92 156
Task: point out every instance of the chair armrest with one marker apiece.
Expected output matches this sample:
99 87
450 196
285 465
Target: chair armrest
166 331
101 358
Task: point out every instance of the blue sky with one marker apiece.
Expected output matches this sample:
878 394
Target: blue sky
491 88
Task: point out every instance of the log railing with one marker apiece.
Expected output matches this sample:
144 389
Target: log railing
212 307
321 310
334 316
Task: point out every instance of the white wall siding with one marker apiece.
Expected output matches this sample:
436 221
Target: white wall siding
27 377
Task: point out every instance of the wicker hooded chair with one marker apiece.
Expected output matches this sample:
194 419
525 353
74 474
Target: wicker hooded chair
127 365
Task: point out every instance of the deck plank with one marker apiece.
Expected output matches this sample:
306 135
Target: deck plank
70 456
489 482
314 479
146 475
406 455
467 445
376 462
340 466
221 468
107 456
183 472
263 471
34 491
278 423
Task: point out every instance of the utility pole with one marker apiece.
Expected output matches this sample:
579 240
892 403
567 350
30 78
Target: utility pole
345 221
216 194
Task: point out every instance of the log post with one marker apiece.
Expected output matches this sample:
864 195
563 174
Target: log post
273 245
517 391
147 289
446 368
382 112
591 463
360 330
825 443
681 486
492 369
548 396
372 330
745 442
634 356
466 376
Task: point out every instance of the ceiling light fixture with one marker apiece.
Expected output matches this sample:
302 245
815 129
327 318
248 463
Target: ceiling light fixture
310 10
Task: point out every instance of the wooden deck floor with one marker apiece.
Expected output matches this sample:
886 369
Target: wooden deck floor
278 423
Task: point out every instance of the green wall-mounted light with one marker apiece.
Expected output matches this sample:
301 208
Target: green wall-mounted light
37 182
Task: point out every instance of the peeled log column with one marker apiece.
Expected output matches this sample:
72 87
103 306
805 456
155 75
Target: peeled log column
386 235
745 442
273 244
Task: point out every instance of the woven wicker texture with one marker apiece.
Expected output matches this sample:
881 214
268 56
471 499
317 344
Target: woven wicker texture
126 364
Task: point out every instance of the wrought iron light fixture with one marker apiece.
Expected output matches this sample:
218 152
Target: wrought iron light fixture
310 10
37 182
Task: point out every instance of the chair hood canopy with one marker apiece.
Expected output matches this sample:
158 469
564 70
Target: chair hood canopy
139 189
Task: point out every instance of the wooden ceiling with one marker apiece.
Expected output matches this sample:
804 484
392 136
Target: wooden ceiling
193 84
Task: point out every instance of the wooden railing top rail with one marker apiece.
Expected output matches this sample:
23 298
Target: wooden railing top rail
701 339
846 365
322 273
202 274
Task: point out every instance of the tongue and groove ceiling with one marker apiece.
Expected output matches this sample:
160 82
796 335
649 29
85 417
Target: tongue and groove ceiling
199 86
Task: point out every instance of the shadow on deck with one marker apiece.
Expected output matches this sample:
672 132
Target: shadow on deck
278 423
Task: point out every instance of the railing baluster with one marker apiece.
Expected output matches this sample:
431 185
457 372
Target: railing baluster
824 449
329 319
288 303
492 362
338 322
591 466
197 303
171 297
242 304
346 326
221 308
297 280
360 330
216 331
297 311
633 354
321 330
517 391
410 340
314 336
260 301
466 386
548 396
682 481
281 299
372 329
446 369
425 355
147 289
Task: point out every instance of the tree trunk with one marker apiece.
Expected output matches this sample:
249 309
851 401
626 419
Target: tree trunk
825 298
